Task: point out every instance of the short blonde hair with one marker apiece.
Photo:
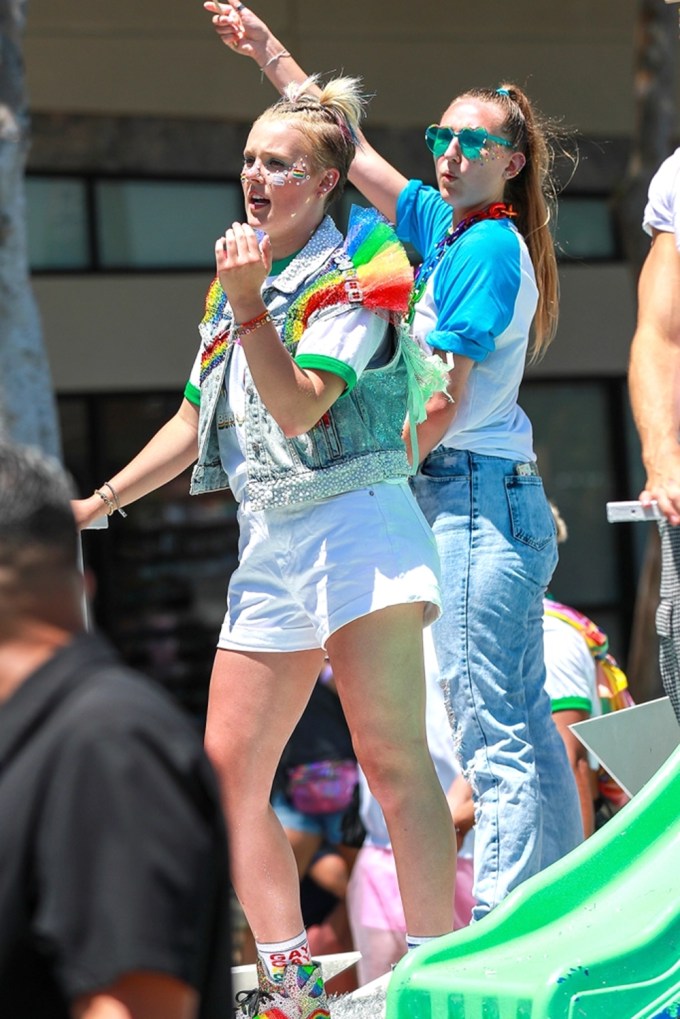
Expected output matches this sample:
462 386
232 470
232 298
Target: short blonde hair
328 116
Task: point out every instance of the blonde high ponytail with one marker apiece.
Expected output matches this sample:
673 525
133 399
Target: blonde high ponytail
329 116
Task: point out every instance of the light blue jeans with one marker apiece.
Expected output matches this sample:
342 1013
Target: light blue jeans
496 540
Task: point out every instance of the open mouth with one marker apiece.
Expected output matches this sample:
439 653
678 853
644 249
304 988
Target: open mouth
258 202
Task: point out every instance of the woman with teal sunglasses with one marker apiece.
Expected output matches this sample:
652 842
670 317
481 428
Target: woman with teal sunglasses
487 280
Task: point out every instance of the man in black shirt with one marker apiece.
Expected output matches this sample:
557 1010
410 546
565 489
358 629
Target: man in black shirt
114 893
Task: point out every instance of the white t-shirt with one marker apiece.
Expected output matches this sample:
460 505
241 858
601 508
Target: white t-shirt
662 211
570 670
353 335
479 302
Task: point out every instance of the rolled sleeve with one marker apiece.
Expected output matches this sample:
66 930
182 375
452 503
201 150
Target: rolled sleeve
476 289
343 340
662 211
192 390
570 669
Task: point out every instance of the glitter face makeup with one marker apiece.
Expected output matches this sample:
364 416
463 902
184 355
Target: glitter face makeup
282 187
473 160
275 171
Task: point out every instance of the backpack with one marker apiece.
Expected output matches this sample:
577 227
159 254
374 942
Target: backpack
611 680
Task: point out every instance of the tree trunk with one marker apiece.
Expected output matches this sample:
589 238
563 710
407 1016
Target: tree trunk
27 406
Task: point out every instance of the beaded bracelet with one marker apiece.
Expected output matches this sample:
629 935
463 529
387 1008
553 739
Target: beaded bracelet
112 504
116 500
250 326
110 508
272 60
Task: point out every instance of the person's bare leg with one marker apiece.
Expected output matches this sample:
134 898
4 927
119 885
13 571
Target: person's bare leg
254 704
305 846
378 666
331 871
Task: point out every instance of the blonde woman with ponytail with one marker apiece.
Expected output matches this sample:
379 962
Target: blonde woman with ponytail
296 402
488 279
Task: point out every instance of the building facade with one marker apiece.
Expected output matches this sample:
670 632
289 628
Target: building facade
139 119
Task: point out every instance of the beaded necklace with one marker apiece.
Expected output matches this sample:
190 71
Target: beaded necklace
497 210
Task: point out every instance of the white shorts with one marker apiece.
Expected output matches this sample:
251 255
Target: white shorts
305 571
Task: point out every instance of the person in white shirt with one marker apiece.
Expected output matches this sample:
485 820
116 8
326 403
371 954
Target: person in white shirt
654 384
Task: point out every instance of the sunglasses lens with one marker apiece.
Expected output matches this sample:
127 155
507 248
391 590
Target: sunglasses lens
438 139
472 140
431 137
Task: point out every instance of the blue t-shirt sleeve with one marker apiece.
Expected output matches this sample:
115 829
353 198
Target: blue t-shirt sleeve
423 217
475 290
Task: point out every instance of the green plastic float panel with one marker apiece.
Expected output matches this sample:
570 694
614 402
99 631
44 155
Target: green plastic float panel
595 936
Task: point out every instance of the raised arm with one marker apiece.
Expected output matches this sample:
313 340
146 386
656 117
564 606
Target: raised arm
654 374
243 32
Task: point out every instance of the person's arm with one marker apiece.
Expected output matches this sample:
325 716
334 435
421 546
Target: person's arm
172 449
580 765
295 397
654 374
243 32
441 410
139 996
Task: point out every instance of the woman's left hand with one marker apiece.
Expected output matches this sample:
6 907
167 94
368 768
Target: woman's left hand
243 263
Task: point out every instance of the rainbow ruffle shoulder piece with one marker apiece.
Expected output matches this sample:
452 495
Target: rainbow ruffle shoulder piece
372 269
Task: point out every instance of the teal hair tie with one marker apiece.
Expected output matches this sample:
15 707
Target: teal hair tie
503 92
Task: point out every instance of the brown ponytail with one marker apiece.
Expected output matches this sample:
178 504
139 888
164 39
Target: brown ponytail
532 194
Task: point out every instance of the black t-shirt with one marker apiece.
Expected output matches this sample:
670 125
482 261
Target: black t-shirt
112 844
322 734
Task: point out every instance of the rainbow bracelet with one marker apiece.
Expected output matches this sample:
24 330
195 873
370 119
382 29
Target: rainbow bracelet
250 326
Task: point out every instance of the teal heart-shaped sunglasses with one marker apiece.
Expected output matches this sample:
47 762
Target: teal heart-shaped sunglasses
471 140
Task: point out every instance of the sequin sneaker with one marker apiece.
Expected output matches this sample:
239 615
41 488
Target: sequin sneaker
298 993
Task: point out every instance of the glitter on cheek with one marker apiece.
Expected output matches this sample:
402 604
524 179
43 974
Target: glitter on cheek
298 174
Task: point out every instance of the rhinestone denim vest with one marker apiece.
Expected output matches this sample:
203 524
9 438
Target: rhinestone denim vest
358 441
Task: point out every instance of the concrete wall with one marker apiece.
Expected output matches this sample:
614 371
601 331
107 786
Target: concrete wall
136 57
98 71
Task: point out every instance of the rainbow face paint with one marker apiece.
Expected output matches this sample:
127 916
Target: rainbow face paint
274 171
